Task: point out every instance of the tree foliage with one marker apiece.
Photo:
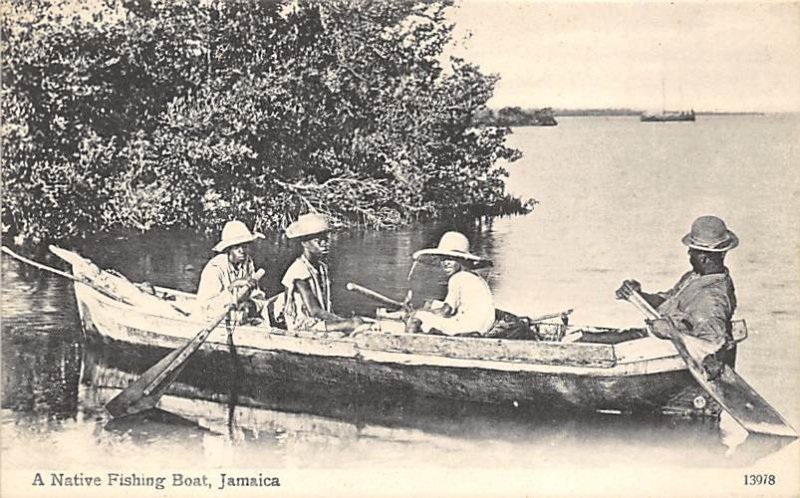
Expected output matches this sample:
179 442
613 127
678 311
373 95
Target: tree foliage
189 113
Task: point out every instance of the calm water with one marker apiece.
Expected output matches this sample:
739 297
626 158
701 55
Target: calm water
615 198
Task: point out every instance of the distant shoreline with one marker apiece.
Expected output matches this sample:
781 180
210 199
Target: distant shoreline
636 112
518 116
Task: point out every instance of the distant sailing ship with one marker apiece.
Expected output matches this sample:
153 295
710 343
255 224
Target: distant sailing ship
667 115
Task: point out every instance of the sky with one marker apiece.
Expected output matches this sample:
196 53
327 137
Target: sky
708 56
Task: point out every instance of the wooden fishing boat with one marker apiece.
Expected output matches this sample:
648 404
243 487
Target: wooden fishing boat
625 375
218 397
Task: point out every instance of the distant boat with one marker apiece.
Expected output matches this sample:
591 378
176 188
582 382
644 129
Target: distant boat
668 116
665 116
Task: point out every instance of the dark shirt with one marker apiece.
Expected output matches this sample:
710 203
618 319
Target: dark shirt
702 306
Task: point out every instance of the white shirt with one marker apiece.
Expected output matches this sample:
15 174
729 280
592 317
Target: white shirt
470 298
472 303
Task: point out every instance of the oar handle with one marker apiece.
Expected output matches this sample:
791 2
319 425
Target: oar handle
550 316
372 294
642 305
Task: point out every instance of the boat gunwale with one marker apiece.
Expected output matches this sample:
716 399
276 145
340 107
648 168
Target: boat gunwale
361 349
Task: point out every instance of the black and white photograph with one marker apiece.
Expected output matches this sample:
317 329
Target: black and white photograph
399 248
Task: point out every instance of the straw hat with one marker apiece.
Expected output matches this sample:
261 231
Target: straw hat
235 233
308 225
709 233
452 245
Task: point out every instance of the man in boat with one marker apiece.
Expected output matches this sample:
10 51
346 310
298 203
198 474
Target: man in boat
307 295
231 268
468 307
700 306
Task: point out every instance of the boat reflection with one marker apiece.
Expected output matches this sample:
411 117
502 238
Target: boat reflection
254 412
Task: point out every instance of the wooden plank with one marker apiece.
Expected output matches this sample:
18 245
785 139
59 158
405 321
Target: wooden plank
545 353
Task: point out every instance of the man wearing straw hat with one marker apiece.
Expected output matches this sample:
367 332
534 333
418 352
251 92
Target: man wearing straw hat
700 306
232 267
468 307
307 283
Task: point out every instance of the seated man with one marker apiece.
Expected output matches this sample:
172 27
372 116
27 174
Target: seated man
700 306
306 282
231 268
468 307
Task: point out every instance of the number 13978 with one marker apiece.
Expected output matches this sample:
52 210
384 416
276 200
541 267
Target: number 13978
759 479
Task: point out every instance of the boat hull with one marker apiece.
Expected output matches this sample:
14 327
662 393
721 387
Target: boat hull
667 117
642 374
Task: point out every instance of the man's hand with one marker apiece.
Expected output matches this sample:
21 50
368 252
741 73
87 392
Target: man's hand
413 325
712 366
243 285
627 289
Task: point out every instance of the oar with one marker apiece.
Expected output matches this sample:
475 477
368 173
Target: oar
393 302
145 392
732 393
372 294
561 314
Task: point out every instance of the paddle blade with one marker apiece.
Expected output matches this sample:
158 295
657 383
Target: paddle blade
145 392
133 399
737 397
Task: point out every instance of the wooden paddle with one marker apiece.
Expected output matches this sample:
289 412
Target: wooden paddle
564 315
392 302
374 295
145 392
733 394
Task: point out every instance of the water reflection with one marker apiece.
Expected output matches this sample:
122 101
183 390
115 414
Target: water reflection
40 378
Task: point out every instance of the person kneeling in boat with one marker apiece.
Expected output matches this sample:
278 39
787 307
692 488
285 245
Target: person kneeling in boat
307 285
229 270
469 306
701 305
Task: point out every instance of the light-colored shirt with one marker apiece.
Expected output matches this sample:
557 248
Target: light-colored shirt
704 304
471 301
295 311
216 279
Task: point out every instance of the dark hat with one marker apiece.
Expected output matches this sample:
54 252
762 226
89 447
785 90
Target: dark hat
709 233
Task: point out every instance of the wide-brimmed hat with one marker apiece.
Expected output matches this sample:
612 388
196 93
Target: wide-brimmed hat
308 225
709 233
452 245
235 233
